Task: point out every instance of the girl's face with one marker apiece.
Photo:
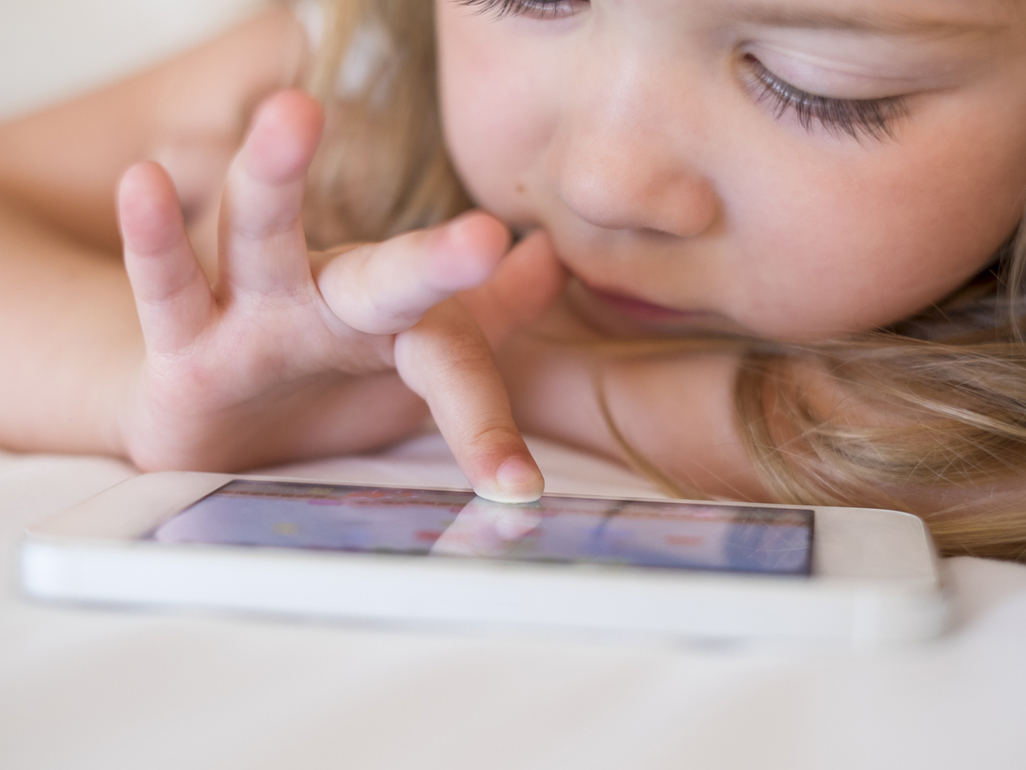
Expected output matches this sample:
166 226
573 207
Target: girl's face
794 169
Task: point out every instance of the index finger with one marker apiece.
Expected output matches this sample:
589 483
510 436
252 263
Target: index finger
446 360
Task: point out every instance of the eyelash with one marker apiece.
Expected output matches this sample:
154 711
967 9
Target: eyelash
500 9
857 118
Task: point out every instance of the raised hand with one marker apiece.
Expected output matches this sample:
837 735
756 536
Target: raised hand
292 355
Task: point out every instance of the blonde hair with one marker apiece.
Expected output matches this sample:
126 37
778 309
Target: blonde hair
956 375
382 168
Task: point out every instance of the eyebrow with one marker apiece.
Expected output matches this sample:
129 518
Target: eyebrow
869 22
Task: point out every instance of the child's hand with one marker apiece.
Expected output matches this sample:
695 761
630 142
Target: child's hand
283 359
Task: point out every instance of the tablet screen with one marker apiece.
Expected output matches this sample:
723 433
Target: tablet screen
458 524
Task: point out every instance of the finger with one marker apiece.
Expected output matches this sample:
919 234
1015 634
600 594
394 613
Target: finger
172 294
385 288
446 360
528 280
262 245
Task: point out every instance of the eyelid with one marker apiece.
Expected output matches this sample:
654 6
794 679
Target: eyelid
857 118
862 69
830 77
545 9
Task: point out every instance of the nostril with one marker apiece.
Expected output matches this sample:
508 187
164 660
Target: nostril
663 205
652 233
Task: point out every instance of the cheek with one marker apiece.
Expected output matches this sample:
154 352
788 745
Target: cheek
834 248
497 116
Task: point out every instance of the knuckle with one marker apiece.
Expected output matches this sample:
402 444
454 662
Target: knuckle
492 437
461 359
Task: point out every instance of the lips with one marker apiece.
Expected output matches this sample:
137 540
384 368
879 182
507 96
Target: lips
646 311
621 314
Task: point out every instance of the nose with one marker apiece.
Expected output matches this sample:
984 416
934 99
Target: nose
622 159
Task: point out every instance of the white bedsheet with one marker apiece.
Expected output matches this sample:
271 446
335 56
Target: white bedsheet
105 688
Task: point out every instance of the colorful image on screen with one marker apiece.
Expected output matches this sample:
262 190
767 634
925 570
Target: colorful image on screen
443 523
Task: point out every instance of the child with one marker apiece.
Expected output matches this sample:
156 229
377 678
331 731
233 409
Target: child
765 251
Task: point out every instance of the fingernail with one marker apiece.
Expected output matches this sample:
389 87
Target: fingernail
519 481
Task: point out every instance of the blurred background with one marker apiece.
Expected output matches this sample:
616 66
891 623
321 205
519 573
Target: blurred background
53 49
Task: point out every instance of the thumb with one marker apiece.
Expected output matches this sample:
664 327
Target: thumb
526 283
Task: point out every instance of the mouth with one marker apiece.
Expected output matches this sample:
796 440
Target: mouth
647 311
617 312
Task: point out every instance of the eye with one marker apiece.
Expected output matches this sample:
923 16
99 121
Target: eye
538 9
857 118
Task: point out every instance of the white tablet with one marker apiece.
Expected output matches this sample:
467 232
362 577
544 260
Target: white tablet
375 553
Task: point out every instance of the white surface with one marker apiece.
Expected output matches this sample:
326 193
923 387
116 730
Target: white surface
98 688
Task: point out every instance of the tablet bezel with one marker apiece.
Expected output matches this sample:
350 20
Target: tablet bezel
848 543
875 576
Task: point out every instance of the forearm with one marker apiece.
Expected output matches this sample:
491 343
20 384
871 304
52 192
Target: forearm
69 340
189 113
